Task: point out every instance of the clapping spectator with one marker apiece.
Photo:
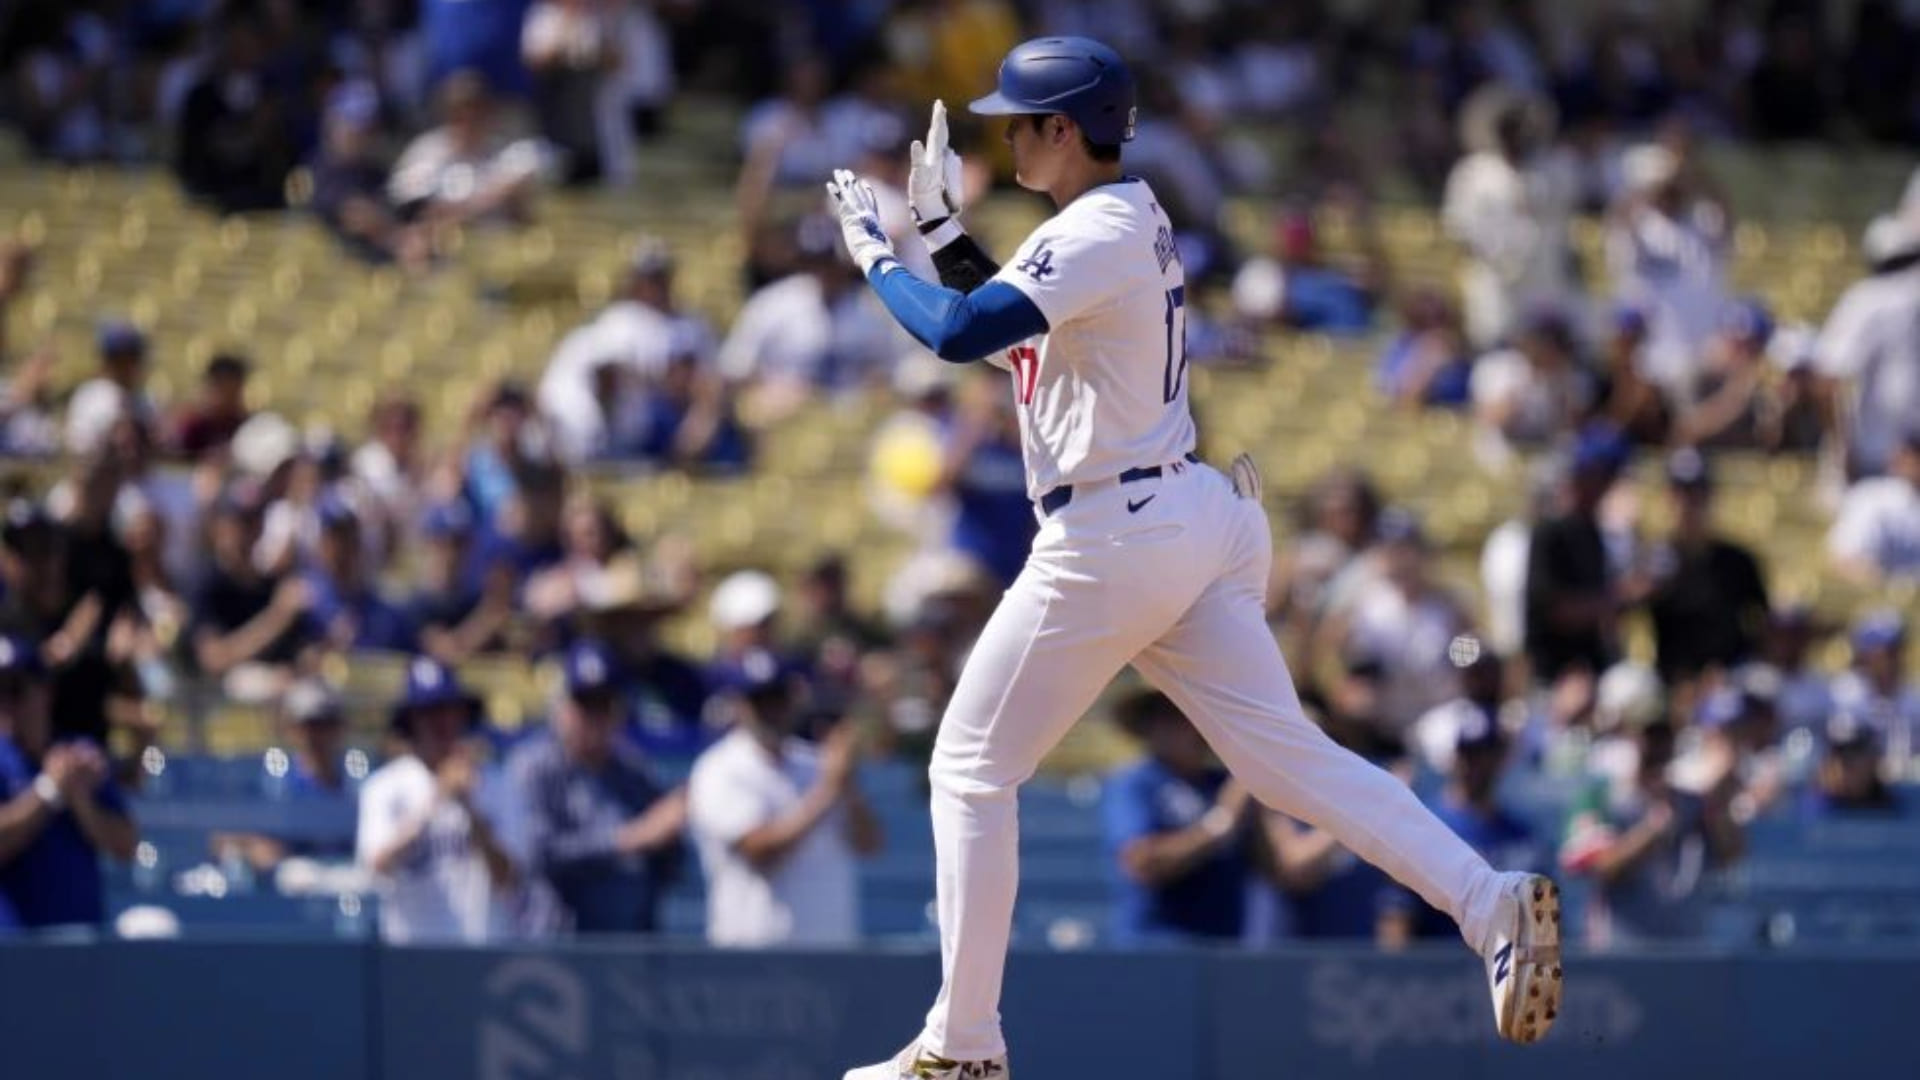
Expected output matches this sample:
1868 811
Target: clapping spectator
235 141
1732 407
1178 831
1876 536
465 170
59 809
245 627
1648 846
779 822
1509 203
208 423
1709 597
601 828
456 616
590 540
346 609
430 822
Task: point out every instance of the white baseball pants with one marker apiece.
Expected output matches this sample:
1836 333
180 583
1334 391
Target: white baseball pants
1168 574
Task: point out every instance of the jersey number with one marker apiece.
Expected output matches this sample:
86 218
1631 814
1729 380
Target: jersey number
1026 372
1176 372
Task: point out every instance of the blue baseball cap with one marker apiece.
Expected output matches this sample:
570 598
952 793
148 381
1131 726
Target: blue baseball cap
118 337
1747 319
755 673
1883 629
1629 318
590 669
431 683
447 521
1600 445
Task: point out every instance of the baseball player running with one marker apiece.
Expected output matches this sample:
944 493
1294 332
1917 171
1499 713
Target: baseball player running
1145 555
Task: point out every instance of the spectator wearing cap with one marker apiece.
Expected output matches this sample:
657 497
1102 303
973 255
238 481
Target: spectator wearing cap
778 822
1648 847
209 422
59 808
346 609
666 694
744 611
599 375
1178 829
1533 392
505 438
430 821
1295 288
456 619
466 170
1875 538
349 184
1401 618
1870 356
1850 781
1470 804
1429 363
1666 244
245 628
1805 698
311 770
1735 758
1508 203
1732 406
1633 403
599 826
119 389
1709 597
817 330
235 140
527 535
1877 691
1572 597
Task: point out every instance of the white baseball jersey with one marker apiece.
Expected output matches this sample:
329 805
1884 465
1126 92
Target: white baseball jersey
1105 389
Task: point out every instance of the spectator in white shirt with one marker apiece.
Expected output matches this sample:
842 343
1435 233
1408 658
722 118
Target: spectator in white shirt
465 170
389 468
1667 244
1877 691
119 389
1533 392
1870 343
778 823
1876 537
430 822
817 330
1509 203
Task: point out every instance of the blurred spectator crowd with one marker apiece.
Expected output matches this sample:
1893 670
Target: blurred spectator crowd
198 547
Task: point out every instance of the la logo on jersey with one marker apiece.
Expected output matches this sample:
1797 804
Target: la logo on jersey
1039 265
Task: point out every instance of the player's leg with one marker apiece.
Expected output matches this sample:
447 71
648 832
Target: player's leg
1220 664
1043 658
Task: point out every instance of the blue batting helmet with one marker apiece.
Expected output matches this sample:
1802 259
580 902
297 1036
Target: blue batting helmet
1075 76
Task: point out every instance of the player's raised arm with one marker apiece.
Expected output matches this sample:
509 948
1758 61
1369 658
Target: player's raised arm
936 194
957 326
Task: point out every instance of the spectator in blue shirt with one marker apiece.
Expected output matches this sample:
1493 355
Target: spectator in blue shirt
1177 828
477 35
1470 805
59 808
985 474
311 769
457 617
346 610
1429 363
602 830
1849 783
1330 892
1297 289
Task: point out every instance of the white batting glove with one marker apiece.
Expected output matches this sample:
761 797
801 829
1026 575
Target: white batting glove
934 185
859 211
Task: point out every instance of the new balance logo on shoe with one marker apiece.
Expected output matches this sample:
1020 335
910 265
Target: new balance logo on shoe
1500 963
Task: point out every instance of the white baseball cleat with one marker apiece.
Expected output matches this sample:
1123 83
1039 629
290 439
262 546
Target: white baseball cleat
1523 957
914 1063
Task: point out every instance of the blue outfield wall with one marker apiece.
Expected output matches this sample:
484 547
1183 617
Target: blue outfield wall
214 1010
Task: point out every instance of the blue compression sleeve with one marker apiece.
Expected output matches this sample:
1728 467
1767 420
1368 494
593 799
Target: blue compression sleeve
957 326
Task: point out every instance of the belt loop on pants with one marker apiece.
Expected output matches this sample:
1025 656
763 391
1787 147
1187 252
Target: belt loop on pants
1053 500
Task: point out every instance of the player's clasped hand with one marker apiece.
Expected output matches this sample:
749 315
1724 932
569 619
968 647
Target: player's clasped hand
859 211
934 182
